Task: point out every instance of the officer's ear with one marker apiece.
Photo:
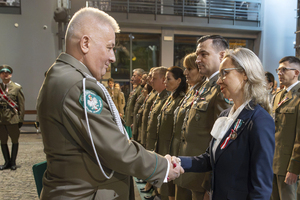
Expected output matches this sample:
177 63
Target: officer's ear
221 55
85 44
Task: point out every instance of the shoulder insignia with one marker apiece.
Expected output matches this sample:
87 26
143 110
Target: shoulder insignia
17 84
228 101
94 103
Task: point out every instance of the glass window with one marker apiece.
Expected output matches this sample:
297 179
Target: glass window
145 50
10 6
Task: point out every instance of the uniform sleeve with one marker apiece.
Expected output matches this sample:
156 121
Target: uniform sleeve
294 164
262 145
114 150
120 103
21 104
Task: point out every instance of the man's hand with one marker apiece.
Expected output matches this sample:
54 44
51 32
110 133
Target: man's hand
175 168
290 178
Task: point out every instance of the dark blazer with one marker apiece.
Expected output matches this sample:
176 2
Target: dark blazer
243 169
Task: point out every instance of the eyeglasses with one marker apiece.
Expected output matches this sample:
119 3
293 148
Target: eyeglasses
283 70
224 72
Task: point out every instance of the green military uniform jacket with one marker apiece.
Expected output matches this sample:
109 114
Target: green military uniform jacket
287 132
117 98
165 124
137 120
197 125
72 170
145 109
122 104
130 105
153 121
179 115
7 113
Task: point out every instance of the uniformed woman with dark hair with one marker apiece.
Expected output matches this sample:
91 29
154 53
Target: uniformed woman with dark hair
175 82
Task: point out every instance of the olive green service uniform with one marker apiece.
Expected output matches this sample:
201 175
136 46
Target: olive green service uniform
72 169
286 110
117 98
153 121
122 104
164 134
179 114
11 121
137 120
145 108
130 105
197 125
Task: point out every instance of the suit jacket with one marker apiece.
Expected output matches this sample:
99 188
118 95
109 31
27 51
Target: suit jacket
287 135
7 113
117 98
146 110
243 168
196 128
153 121
72 170
130 105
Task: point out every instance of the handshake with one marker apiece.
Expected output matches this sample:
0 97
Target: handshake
175 167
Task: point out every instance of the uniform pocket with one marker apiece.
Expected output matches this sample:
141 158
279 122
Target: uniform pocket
288 110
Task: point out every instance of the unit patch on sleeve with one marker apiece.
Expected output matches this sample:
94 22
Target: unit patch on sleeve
94 103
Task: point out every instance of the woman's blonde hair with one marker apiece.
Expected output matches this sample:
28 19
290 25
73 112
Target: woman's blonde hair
255 87
189 61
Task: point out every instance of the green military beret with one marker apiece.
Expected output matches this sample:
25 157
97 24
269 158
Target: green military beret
6 68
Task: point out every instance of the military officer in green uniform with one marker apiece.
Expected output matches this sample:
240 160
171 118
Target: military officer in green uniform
146 108
11 116
89 155
135 79
195 81
204 110
175 82
286 109
158 78
116 95
138 103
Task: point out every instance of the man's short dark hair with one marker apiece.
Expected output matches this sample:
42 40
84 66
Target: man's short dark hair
290 59
219 43
270 77
110 80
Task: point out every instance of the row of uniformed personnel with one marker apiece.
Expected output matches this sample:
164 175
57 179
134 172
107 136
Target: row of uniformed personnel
184 125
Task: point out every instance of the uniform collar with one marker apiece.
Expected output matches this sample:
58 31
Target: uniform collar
291 86
68 59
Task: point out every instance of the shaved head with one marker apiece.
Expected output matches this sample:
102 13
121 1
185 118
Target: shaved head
90 38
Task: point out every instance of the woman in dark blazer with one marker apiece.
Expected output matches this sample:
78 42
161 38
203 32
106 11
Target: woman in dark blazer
240 154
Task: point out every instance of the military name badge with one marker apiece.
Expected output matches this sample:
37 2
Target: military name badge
94 103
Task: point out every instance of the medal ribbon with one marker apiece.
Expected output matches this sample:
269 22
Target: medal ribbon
281 102
237 125
8 100
197 92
